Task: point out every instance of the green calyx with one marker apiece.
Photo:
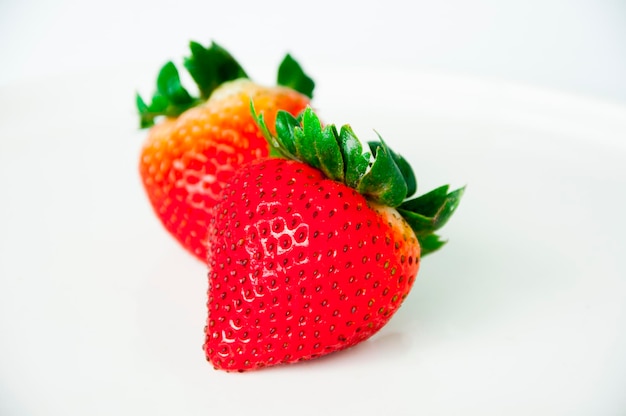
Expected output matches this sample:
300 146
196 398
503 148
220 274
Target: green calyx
375 171
209 67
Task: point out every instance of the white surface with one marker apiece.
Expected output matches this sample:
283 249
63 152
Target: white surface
573 46
522 313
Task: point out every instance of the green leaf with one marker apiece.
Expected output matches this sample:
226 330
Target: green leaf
377 175
407 174
274 147
141 104
430 243
159 104
356 161
430 212
421 224
403 165
211 67
285 125
329 154
306 136
429 203
145 118
170 98
384 182
170 87
148 113
291 74
452 202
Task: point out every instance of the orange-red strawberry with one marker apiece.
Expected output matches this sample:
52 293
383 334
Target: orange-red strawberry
197 143
314 253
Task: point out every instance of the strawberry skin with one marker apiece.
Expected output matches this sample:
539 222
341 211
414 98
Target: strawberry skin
186 161
196 143
301 266
313 251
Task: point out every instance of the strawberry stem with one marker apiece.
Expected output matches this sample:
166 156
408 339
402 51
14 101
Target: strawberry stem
381 175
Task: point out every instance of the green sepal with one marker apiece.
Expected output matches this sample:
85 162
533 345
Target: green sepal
382 176
146 117
329 153
430 243
275 148
428 213
431 211
429 203
403 165
383 182
291 74
356 161
338 154
305 149
170 98
286 123
324 143
211 67
170 87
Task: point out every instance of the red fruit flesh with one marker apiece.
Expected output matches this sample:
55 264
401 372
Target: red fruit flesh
300 266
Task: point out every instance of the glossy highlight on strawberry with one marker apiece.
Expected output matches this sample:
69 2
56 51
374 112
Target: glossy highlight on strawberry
310 253
195 144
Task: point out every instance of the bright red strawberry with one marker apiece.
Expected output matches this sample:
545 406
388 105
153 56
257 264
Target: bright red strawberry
198 142
308 254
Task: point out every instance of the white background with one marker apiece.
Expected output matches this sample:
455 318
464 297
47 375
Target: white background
576 46
101 312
